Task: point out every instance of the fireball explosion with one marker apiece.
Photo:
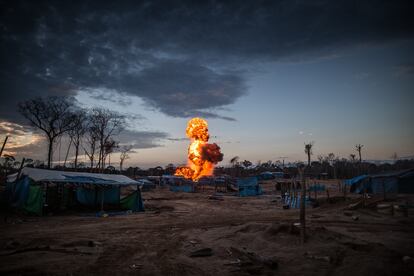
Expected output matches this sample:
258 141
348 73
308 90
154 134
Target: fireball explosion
202 156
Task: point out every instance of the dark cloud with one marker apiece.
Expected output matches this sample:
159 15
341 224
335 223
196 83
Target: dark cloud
178 57
406 69
178 139
141 139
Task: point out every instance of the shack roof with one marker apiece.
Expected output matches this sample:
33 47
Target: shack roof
39 175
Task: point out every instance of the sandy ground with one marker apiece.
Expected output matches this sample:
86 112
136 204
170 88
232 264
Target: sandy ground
236 236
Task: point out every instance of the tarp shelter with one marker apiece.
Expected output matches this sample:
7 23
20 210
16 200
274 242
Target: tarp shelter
146 184
33 190
249 186
317 187
266 176
392 182
178 183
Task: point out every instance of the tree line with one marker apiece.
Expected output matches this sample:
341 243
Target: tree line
91 131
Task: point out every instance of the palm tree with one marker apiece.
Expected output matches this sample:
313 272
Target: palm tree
308 151
358 148
234 160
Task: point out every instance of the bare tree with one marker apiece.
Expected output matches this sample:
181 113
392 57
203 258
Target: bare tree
91 140
105 124
308 151
80 120
109 147
358 148
352 157
51 115
124 156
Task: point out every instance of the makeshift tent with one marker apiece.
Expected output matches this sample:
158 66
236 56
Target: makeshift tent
33 190
317 187
392 182
266 176
146 184
278 174
178 183
249 186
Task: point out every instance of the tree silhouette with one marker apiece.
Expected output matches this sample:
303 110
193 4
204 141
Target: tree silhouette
51 115
308 151
79 129
234 160
358 148
104 124
124 156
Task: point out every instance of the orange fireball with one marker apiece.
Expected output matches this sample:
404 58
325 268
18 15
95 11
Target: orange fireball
201 155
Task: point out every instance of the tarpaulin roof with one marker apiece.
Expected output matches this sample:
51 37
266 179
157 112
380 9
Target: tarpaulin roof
75 177
354 180
402 173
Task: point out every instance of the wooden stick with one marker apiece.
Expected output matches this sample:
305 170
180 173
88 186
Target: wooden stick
302 207
4 144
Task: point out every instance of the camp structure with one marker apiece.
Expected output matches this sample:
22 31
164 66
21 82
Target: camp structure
401 182
178 183
248 186
40 191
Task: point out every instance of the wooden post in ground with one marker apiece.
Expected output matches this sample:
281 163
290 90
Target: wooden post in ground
344 191
4 144
102 199
364 198
20 169
302 207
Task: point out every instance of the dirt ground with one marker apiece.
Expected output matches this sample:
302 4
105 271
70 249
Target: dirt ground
195 234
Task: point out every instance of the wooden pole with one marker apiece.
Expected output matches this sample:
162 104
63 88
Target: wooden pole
344 185
302 207
20 169
327 194
4 144
102 199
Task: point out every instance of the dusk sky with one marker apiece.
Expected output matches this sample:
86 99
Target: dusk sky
267 75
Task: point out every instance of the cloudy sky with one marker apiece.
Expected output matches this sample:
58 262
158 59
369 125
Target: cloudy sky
268 75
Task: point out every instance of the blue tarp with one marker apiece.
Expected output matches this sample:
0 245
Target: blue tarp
181 188
352 181
249 186
378 185
18 192
91 196
87 179
25 194
373 184
294 201
266 176
317 188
